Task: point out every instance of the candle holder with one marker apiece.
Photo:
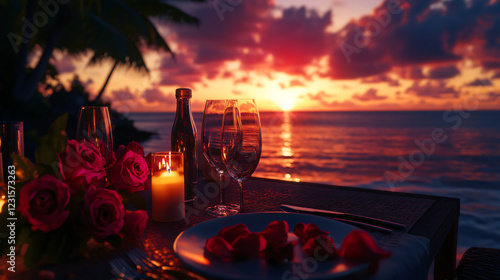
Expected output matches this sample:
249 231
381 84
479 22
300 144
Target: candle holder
11 142
167 186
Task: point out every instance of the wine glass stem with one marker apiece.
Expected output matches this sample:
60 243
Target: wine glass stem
222 188
240 182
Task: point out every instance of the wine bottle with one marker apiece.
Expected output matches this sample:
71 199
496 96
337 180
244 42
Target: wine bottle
184 138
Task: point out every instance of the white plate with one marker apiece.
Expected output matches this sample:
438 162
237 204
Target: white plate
190 249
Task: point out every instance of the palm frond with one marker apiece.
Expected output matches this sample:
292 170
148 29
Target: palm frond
109 43
155 39
163 11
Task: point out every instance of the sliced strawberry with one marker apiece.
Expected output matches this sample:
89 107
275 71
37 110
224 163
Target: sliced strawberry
219 247
248 247
231 233
321 248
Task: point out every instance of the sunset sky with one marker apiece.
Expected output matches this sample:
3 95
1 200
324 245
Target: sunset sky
316 55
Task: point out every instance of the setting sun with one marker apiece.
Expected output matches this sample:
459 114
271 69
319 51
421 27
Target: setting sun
286 104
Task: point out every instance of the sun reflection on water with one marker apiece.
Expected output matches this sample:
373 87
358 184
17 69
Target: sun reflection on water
286 138
286 146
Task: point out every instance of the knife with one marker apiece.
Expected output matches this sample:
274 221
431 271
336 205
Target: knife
344 216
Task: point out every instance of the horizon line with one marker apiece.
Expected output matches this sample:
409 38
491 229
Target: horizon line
323 111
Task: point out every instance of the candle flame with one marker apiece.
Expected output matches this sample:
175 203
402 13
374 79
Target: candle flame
168 168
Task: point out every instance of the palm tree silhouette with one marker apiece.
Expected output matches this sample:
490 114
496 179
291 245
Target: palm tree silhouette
112 30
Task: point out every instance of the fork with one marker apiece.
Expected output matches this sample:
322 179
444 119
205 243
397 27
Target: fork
122 270
142 260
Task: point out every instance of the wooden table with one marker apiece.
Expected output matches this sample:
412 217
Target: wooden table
439 223
432 217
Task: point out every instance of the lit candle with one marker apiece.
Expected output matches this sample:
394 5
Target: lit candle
2 202
167 193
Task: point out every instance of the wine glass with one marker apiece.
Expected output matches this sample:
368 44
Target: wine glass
241 140
94 127
211 137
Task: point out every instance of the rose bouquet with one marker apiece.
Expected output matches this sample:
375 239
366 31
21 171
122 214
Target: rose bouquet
72 198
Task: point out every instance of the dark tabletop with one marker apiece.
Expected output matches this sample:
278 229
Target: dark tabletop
432 217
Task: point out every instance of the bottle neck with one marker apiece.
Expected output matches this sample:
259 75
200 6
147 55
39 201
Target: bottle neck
183 107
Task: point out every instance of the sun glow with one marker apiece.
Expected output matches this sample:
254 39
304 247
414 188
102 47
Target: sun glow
286 104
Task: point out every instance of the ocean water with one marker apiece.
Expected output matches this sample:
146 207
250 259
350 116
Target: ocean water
454 154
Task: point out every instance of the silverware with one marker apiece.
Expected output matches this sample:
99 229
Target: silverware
121 270
374 223
151 267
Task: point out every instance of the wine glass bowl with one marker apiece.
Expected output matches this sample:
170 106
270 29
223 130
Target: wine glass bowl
241 140
94 127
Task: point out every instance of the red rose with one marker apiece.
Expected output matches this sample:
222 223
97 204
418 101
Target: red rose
82 165
136 148
103 212
134 223
130 171
42 201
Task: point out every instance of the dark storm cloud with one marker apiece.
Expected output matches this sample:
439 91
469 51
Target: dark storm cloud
296 39
479 82
383 78
154 94
214 42
251 35
123 94
411 72
296 83
443 72
430 89
292 83
242 80
179 72
412 33
493 96
320 96
404 36
369 95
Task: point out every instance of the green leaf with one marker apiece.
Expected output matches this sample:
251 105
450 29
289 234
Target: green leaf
36 249
114 240
45 155
53 142
57 245
25 169
57 137
24 235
